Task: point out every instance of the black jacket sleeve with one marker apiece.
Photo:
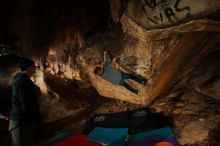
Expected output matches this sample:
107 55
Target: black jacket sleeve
24 94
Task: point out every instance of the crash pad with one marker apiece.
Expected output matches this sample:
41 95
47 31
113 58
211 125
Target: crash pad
77 140
139 120
109 136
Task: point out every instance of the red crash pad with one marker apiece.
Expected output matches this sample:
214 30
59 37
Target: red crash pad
78 140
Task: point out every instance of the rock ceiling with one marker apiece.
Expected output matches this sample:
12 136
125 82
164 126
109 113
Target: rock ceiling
160 41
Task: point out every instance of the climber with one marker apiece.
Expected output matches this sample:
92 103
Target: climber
25 115
116 77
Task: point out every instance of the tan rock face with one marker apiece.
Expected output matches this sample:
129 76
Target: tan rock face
61 64
144 58
160 55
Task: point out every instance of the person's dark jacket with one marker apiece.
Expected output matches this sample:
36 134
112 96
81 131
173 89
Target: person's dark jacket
24 100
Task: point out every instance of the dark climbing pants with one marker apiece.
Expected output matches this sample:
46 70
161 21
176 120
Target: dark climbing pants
23 133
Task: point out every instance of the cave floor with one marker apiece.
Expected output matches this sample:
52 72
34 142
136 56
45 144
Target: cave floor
196 117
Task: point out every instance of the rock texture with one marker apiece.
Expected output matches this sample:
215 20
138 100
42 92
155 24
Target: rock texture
145 48
162 59
173 44
160 62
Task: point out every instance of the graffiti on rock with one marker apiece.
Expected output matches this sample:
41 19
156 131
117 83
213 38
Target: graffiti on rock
178 9
166 9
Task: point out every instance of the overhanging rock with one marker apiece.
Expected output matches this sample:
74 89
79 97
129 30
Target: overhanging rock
167 37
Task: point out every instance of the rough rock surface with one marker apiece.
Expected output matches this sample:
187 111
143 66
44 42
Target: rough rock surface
155 40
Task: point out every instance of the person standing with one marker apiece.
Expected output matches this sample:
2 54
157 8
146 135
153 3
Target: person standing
25 115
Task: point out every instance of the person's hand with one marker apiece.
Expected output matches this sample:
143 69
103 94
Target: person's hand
4 117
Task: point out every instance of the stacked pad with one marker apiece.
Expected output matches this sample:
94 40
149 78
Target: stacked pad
136 121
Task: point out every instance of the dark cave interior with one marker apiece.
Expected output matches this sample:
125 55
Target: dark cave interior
172 45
